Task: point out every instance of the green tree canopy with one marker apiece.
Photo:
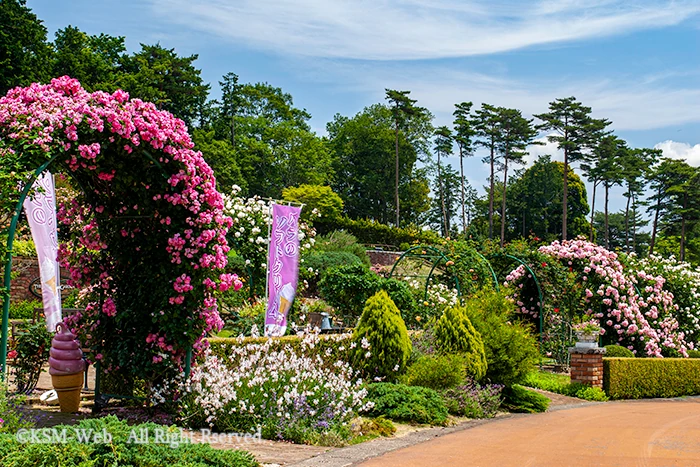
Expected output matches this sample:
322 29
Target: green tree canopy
363 150
536 197
24 52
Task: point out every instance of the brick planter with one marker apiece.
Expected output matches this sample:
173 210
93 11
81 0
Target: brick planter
587 366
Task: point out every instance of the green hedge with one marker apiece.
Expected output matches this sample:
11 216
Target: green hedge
638 378
331 347
371 232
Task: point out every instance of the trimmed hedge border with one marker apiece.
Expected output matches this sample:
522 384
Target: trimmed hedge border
330 347
639 378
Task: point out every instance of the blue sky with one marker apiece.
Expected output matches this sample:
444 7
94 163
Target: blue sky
635 62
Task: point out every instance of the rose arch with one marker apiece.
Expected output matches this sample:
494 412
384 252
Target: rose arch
145 239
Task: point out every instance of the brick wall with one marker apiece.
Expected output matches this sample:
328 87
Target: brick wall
26 270
385 258
587 366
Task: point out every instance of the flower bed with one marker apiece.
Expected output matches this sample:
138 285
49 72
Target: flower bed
279 387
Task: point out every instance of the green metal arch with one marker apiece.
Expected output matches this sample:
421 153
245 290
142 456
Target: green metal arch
540 295
8 268
8 264
437 254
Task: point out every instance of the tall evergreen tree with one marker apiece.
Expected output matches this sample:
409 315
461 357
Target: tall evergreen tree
517 133
610 153
574 131
664 180
486 123
443 147
464 135
402 109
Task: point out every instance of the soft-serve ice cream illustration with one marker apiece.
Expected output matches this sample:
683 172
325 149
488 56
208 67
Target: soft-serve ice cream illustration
283 302
66 367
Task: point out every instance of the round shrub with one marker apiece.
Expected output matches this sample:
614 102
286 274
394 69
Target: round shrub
436 372
382 343
520 400
618 351
411 404
347 288
511 349
454 333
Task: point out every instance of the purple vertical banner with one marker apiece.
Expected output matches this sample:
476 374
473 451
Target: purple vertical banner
41 214
282 268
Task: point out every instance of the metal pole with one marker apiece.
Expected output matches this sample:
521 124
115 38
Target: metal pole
8 267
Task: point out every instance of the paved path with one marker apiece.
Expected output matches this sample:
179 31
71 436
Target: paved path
640 433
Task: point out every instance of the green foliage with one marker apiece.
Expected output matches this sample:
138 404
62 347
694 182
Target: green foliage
242 319
157 74
319 201
120 450
347 288
23 309
510 348
561 384
473 401
521 400
95 61
638 378
330 347
413 404
371 428
221 157
340 240
436 372
454 333
586 392
364 155
535 202
371 232
23 247
12 418
32 344
618 351
382 327
469 268
23 48
694 353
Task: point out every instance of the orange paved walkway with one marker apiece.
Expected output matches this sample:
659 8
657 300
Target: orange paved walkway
644 433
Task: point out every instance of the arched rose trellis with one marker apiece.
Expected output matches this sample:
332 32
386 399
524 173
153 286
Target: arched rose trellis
147 237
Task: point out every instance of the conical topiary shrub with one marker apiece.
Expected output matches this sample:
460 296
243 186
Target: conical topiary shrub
382 343
454 334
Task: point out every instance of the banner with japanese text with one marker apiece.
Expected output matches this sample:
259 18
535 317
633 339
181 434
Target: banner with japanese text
282 267
40 209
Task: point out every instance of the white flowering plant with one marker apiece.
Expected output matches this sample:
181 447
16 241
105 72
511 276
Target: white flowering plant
288 393
249 235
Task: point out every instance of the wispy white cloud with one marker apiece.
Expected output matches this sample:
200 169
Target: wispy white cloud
631 102
677 150
417 29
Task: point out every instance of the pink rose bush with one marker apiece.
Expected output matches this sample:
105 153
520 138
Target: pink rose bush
144 240
632 307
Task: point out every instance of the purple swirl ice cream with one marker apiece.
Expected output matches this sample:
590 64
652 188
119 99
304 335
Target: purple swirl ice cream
66 357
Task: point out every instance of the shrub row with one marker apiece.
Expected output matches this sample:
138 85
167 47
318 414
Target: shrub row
371 232
637 378
331 347
120 450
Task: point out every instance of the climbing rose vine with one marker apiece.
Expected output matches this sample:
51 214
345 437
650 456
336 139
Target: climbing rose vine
145 240
633 308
